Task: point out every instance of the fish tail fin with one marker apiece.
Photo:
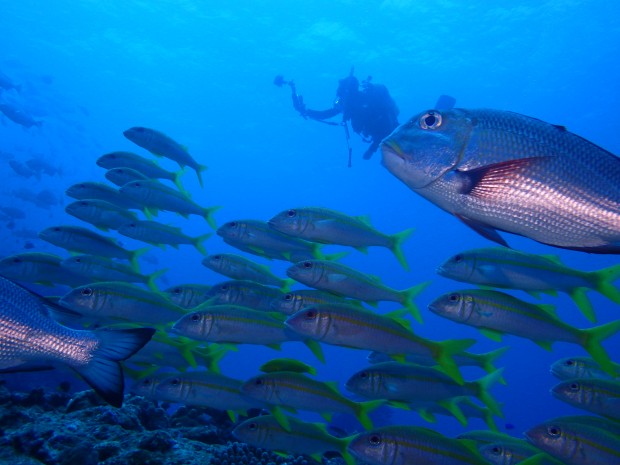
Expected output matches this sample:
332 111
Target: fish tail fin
199 169
316 349
488 358
103 372
451 405
336 256
426 415
176 179
134 258
397 246
579 296
488 418
364 408
410 294
317 251
150 281
444 352
484 395
207 214
140 373
286 284
212 355
592 343
604 282
198 242
344 450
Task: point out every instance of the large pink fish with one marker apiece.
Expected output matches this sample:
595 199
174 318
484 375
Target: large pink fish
501 171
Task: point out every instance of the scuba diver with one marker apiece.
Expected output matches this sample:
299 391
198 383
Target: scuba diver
371 110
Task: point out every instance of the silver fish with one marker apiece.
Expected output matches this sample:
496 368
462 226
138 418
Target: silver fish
148 168
156 233
498 170
580 367
78 239
153 195
188 295
409 445
121 301
575 443
90 190
121 176
163 146
599 396
304 438
238 267
327 226
29 336
104 215
244 293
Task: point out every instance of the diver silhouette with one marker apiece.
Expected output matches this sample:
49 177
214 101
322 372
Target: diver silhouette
373 113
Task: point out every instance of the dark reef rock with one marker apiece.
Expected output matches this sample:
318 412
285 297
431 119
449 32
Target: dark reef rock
56 429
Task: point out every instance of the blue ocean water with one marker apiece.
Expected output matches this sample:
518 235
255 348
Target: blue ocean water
202 72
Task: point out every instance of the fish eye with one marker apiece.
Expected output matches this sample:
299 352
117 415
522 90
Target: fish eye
195 317
570 362
573 386
253 426
146 382
291 213
232 224
258 382
430 120
288 297
87 291
216 257
496 450
17 260
137 184
175 381
78 260
554 431
454 298
224 287
458 258
311 314
84 203
132 225
307 265
177 290
364 374
374 440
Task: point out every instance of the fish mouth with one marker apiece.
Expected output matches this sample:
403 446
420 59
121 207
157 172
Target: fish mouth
391 148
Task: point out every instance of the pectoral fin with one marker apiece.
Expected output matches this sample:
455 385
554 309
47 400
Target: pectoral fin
336 277
484 230
490 181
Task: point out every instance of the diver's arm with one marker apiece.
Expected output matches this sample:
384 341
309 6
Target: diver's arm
322 114
372 149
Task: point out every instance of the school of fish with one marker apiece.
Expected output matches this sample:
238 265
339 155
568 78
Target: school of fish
480 165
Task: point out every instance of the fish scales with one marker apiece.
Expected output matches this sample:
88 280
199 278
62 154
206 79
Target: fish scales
29 336
508 172
406 445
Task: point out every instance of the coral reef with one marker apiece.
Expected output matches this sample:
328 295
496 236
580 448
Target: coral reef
56 428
